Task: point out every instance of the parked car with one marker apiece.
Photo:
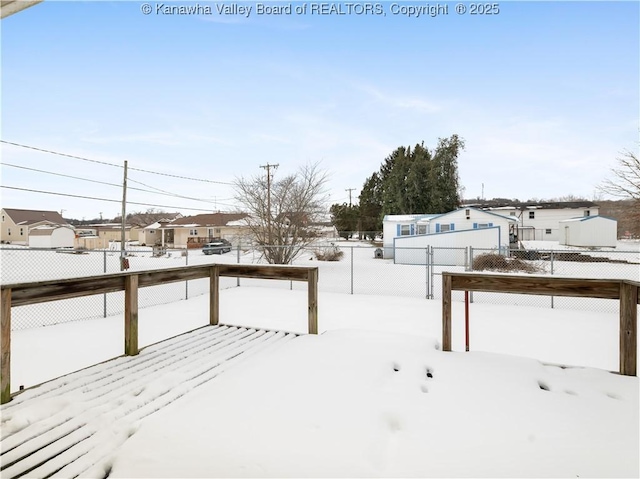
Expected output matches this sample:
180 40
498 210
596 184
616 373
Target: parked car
217 247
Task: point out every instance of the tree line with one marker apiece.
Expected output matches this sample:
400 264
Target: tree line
414 180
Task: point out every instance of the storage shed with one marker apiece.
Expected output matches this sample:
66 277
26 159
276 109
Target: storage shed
51 236
590 231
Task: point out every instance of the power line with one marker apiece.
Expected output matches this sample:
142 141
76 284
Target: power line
159 192
112 164
168 193
60 174
102 199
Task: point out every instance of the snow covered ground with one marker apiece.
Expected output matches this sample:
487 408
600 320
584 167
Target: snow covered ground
373 396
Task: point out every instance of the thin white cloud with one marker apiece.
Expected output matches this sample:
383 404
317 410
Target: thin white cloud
415 103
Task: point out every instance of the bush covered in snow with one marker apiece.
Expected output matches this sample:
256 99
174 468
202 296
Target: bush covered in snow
328 253
496 262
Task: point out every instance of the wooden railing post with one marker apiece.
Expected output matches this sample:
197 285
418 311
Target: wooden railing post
5 366
312 286
131 315
214 295
628 328
446 312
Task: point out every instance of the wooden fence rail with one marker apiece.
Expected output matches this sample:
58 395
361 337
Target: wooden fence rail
625 291
20 294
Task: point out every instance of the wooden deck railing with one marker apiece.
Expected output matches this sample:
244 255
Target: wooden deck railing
43 291
625 291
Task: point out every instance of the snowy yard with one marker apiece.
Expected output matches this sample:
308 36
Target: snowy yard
371 396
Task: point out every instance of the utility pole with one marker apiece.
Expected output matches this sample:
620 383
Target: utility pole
268 168
124 213
350 190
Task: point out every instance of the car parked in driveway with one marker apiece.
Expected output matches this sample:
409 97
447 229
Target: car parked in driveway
217 247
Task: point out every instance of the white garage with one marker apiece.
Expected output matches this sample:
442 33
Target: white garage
51 236
591 231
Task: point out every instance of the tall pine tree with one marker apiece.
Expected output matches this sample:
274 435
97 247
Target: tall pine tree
414 181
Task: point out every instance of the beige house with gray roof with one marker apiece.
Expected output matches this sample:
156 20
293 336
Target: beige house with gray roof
17 223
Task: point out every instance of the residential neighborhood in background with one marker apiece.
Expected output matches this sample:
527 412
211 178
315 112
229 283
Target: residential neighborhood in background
481 224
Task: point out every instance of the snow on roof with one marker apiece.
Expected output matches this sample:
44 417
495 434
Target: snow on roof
407 217
46 230
586 218
237 223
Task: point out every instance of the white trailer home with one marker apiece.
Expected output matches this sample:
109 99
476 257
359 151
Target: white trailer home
540 221
396 228
589 231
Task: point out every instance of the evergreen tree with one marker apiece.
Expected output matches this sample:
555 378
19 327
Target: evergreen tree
345 218
371 206
413 181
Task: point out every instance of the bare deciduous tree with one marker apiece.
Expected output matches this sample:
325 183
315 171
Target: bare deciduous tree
297 203
625 180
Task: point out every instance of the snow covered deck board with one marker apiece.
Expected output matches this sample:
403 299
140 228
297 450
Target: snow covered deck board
71 425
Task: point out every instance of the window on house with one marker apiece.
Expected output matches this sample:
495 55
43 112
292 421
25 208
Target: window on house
587 213
422 229
405 230
209 232
217 230
512 213
547 231
444 228
193 232
532 215
467 212
3 218
483 225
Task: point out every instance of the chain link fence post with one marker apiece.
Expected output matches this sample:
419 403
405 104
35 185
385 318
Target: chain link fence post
351 269
466 259
432 256
426 271
104 270
186 283
238 260
551 267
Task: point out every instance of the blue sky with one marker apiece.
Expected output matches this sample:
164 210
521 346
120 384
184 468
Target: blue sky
545 94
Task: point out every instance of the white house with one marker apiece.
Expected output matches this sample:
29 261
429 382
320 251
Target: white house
52 236
590 231
540 220
420 231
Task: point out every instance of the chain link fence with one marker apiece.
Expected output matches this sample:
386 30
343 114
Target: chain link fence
346 267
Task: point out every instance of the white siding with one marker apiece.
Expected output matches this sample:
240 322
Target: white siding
594 231
59 238
462 219
412 249
549 219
